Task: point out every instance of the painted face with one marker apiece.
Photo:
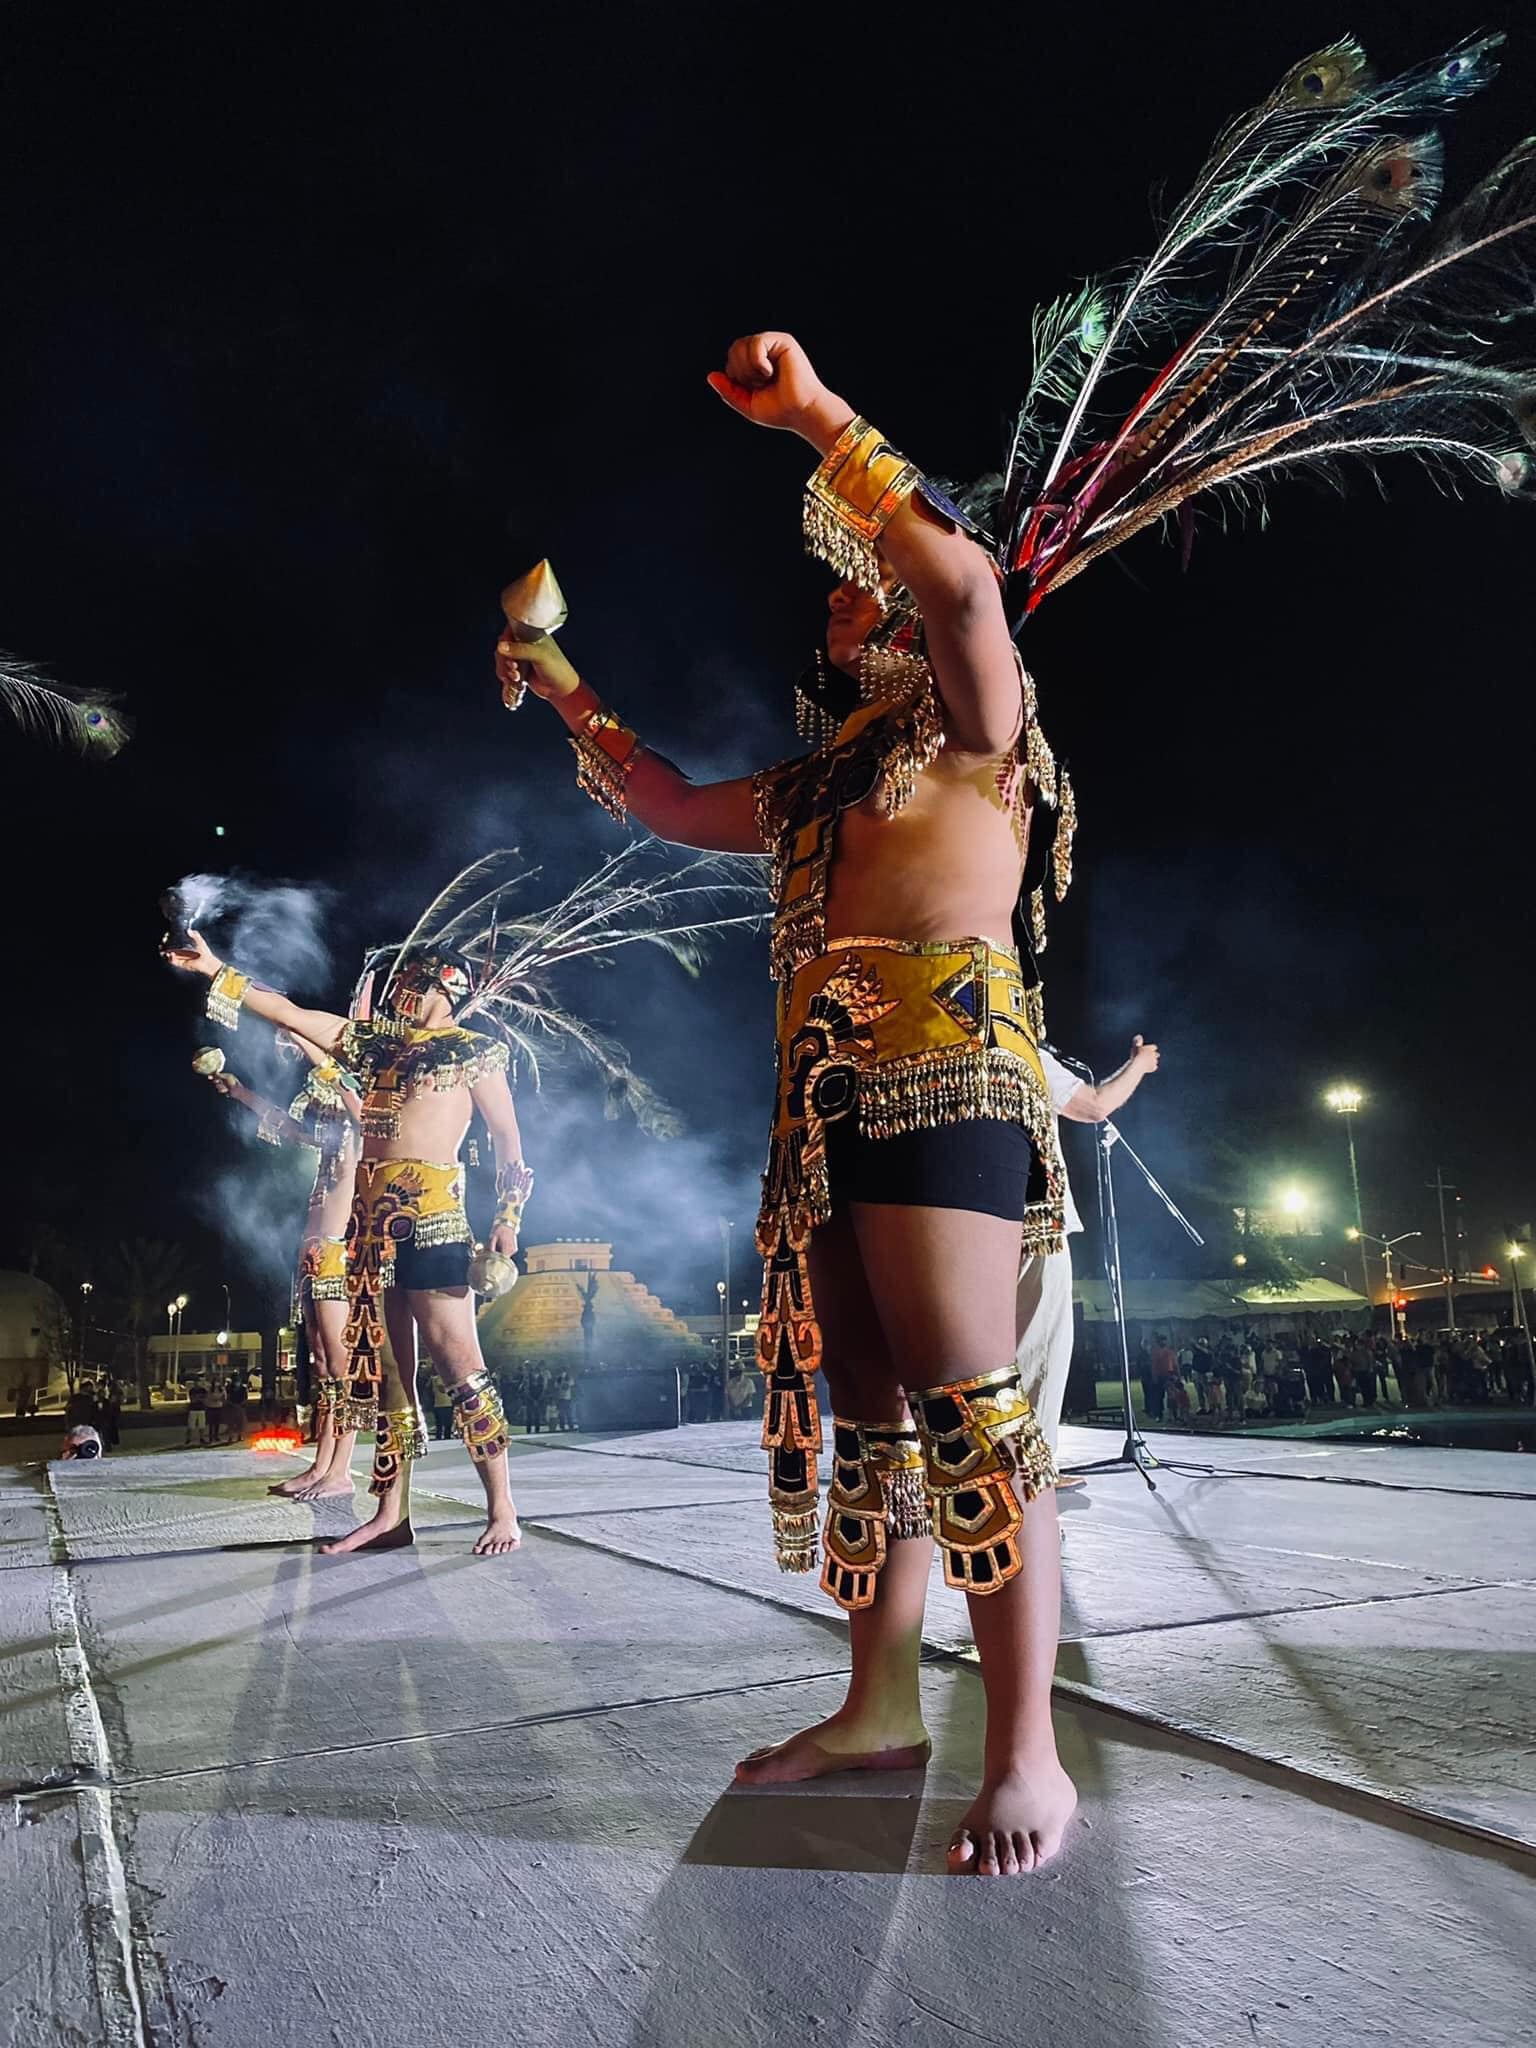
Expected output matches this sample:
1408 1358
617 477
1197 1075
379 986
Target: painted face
420 977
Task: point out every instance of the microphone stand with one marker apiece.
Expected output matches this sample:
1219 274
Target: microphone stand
1135 1453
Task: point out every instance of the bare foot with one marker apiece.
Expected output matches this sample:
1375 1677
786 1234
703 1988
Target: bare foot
334 1486
843 1743
385 1532
301 1482
1016 1821
500 1534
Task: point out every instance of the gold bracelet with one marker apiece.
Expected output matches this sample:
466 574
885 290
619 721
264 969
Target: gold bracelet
226 992
854 494
605 753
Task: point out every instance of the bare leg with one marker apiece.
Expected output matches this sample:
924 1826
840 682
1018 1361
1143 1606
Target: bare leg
332 1478
446 1319
389 1528
879 1726
944 1281
301 1482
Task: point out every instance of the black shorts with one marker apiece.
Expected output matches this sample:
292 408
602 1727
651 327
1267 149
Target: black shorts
984 1164
424 1267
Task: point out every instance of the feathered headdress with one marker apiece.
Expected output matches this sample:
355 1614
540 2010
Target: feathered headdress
517 957
1321 308
47 712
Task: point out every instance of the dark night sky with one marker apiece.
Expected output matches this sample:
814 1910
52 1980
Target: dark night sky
316 334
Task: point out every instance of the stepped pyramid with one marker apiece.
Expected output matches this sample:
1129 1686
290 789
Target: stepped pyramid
541 1318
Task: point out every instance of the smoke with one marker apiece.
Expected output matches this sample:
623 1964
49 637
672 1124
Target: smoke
258 1210
271 929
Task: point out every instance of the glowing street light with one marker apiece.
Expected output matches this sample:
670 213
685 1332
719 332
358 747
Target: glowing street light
1297 1204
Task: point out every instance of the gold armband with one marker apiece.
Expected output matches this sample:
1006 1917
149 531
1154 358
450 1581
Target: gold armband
226 992
605 754
860 486
514 1184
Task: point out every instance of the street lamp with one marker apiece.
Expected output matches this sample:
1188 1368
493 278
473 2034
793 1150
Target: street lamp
1344 1101
1388 1246
723 1289
228 1312
85 1303
1522 1321
1295 1202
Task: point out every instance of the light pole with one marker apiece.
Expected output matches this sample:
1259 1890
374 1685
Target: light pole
1344 1101
228 1317
181 1303
1522 1320
723 1289
1388 1246
85 1304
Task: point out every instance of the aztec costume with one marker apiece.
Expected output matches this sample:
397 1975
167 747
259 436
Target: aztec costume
1315 328
317 1120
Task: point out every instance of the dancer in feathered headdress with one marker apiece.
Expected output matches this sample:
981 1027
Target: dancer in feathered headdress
1312 308
322 1119
412 1266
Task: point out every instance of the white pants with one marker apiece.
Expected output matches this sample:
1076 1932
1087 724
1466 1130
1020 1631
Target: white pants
1044 1324
197 1425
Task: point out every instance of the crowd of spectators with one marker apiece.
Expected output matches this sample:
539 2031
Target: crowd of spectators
1256 1376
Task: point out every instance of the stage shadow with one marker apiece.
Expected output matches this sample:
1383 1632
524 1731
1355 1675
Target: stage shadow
802 1827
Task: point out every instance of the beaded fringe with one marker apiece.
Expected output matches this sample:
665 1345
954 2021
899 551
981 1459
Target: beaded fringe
1029 1456
846 552
600 777
795 1531
950 1086
446 1226
354 1411
906 1505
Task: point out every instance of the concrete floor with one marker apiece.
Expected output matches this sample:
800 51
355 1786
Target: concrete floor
258 1796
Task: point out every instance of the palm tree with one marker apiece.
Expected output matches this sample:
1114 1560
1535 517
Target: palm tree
143 1273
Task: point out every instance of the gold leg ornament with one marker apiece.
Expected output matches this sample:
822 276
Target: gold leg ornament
480 1418
400 1438
875 1498
982 1448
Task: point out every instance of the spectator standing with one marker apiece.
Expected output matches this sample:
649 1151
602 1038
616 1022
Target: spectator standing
533 1401
1165 1369
565 1399
235 1415
197 1412
442 1410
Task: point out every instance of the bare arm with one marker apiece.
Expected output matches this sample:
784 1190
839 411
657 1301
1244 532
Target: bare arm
768 378
320 1027
493 1098
1094 1103
718 816
284 1128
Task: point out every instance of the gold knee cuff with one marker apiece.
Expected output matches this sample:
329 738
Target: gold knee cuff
876 1496
479 1417
354 1410
983 1447
400 1437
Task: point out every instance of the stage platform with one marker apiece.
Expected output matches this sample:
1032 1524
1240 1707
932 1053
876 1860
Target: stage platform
260 1798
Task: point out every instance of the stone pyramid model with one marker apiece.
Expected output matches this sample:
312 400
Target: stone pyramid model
541 1319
